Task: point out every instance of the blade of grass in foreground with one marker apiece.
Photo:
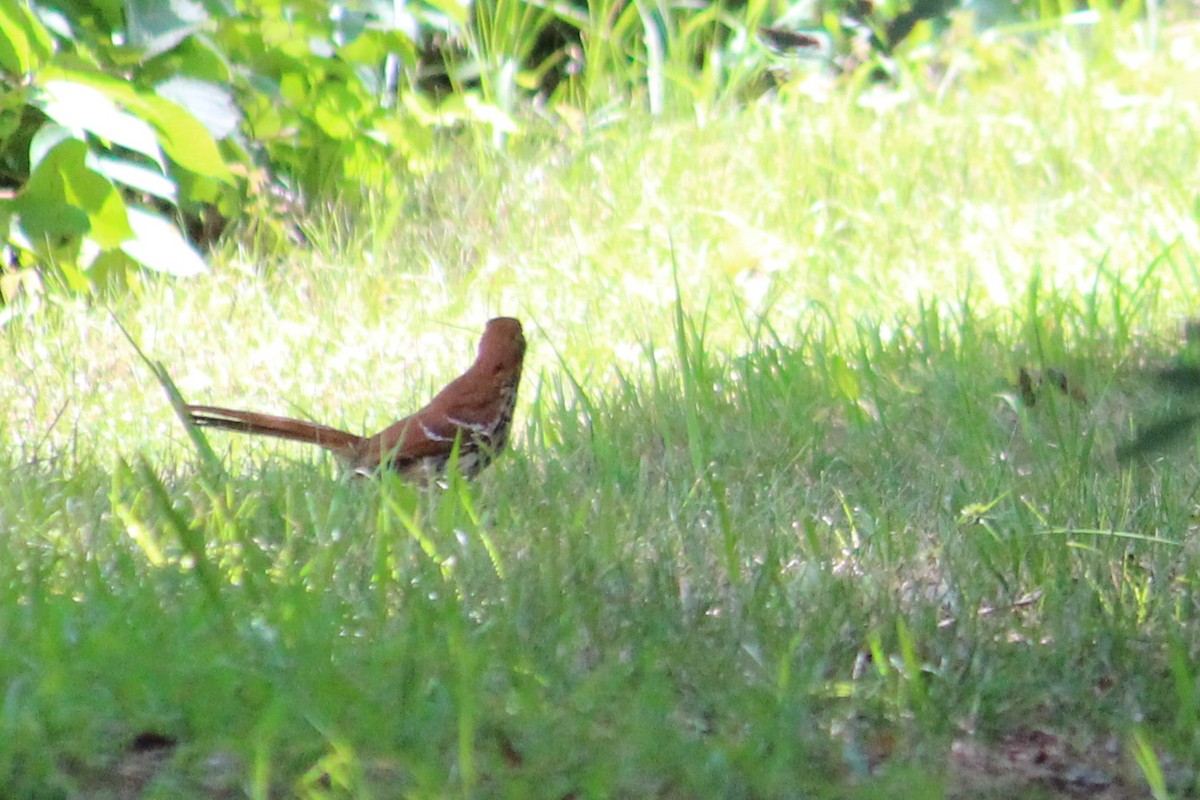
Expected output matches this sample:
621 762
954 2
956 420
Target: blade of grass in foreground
212 464
189 537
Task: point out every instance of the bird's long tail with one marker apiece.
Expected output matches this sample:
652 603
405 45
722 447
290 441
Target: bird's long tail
341 443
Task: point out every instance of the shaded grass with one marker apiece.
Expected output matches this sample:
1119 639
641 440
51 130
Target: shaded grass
779 521
852 559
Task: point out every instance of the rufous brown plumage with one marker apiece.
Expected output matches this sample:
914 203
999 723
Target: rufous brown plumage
475 409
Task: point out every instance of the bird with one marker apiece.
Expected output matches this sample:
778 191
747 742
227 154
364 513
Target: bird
475 410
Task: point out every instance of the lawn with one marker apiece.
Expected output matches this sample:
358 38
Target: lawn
780 519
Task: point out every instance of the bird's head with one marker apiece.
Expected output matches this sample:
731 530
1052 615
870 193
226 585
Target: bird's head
502 348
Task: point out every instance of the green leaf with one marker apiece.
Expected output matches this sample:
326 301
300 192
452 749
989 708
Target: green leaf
109 268
363 158
136 176
210 103
74 277
455 10
118 170
77 105
48 137
182 136
372 48
156 26
11 115
63 197
337 111
348 25
158 245
409 137
263 117
24 42
186 141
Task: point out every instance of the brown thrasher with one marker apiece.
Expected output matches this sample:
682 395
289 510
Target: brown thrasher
475 409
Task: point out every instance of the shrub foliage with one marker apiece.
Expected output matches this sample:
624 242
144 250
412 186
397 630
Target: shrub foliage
132 131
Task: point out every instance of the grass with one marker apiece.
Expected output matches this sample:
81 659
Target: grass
778 521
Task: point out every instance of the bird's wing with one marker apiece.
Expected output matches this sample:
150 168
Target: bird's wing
423 435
